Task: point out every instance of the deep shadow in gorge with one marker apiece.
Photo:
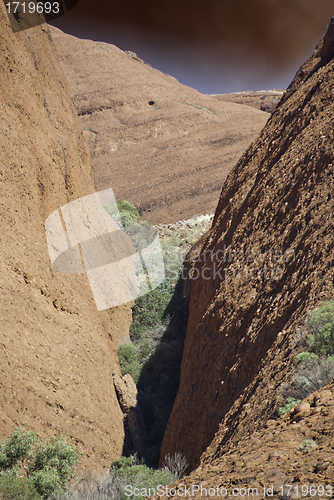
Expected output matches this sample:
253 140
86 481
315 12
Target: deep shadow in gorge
160 377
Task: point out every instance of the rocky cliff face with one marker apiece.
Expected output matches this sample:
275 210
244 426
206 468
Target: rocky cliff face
267 259
281 460
159 144
57 353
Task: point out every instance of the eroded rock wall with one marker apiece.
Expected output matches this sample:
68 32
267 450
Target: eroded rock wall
57 353
275 215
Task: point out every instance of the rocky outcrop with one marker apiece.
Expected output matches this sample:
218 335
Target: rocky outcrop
162 146
280 461
263 100
126 391
57 353
267 259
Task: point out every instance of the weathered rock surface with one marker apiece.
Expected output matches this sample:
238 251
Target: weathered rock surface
275 458
57 353
126 392
267 259
135 424
163 146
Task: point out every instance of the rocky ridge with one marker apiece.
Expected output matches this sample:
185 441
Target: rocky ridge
265 100
189 230
162 146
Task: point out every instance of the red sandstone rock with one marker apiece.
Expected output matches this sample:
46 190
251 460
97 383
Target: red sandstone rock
57 353
278 200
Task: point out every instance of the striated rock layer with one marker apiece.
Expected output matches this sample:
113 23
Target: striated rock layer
250 281
57 353
160 145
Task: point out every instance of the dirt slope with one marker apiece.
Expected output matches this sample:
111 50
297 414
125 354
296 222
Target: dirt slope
159 144
275 214
57 353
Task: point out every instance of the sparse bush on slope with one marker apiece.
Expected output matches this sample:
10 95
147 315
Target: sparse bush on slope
47 466
307 444
320 322
289 404
315 367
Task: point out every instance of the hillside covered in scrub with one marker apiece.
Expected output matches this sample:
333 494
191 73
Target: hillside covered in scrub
250 282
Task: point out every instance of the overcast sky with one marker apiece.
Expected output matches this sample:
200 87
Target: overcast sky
214 46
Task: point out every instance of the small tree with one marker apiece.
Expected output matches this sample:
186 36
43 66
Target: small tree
17 450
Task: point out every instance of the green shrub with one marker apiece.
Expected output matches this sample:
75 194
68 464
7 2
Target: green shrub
321 323
149 309
16 449
123 213
307 444
128 359
126 206
315 367
128 219
46 481
290 403
140 476
17 488
49 465
307 358
53 464
128 213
